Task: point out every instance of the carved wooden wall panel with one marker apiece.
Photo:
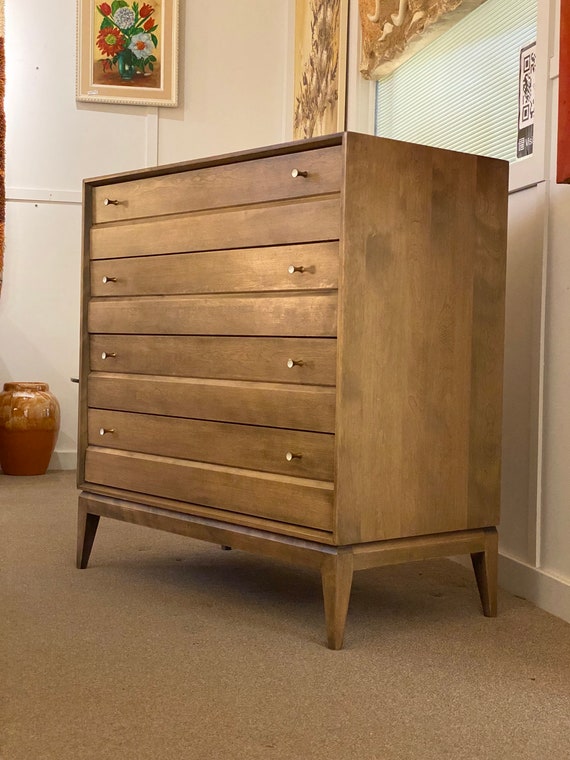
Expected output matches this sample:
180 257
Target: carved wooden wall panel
320 67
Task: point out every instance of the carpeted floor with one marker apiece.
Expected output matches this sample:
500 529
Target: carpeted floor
169 648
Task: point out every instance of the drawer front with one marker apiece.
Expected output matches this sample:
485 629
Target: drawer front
298 407
311 314
293 267
277 497
237 183
280 360
278 224
250 447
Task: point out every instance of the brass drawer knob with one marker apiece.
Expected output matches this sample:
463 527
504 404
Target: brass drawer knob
292 269
108 279
294 363
108 355
105 431
289 456
298 173
110 202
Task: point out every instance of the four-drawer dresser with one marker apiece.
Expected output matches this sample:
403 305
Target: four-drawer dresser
298 351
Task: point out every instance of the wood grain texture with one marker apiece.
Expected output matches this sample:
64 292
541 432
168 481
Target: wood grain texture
485 565
278 497
263 542
296 147
396 408
397 550
487 344
336 577
230 358
310 314
87 191
230 519
296 407
411 389
87 525
254 181
252 447
254 226
336 564
241 270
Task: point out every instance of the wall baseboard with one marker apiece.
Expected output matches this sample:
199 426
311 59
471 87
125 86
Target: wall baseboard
547 591
63 460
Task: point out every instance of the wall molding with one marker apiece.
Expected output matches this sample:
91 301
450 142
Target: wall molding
152 125
41 195
63 460
548 591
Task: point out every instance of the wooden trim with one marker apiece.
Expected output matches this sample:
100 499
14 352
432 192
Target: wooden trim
336 564
84 339
399 550
298 551
563 161
279 149
485 565
219 515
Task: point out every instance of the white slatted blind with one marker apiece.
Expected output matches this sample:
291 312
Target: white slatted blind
461 91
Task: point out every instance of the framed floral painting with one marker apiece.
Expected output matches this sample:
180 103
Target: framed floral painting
127 52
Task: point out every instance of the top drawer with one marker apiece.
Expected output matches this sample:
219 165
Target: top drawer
255 181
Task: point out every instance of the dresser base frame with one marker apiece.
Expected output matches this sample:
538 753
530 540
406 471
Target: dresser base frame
336 564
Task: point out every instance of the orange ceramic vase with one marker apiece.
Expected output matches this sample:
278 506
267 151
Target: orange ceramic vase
29 424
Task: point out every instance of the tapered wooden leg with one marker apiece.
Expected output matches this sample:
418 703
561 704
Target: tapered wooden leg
87 525
485 567
336 574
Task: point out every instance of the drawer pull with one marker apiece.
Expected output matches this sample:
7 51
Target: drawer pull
289 456
109 202
109 279
108 355
294 363
105 431
292 269
298 173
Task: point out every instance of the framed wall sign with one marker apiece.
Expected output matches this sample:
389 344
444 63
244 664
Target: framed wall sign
127 52
527 81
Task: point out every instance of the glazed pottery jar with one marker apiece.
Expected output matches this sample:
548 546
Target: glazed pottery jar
29 424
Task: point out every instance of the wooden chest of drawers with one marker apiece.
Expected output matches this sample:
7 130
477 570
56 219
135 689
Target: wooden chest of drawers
297 351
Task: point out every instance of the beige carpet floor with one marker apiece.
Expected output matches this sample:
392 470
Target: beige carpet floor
170 648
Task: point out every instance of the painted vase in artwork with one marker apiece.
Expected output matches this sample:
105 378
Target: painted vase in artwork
29 425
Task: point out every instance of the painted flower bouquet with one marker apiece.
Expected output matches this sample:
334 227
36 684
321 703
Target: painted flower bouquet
127 37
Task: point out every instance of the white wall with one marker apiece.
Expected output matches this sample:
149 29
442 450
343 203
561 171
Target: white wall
234 79
555 524
535 524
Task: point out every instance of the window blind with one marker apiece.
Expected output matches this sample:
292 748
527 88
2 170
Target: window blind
461 91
